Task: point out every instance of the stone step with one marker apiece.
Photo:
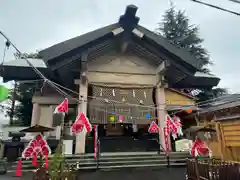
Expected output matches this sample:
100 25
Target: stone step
141 160
105 158
116 154
117 160
102 167
144 161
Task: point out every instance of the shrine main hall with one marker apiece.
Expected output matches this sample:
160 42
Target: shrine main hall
120 70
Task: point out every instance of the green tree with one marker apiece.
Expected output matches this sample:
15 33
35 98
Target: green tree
22 110
57 165
19 105
175 26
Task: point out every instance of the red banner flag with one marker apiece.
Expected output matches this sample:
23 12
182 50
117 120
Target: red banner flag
63 107
153 128
81 122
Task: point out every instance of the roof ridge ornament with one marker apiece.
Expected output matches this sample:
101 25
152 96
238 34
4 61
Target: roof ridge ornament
129 20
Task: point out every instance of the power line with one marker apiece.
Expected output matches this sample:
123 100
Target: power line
31 65
217 7
235 1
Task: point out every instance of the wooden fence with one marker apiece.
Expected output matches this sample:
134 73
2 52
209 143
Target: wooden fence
212 170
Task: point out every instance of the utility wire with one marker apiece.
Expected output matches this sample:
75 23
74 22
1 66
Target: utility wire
33 67
235 1
231 99
216 7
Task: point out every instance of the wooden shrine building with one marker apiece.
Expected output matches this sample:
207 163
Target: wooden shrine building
122 69
223 115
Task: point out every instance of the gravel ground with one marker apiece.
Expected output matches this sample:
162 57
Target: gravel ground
126 174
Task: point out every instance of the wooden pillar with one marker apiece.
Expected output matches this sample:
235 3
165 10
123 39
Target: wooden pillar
161 103
82 107
35 114
161 113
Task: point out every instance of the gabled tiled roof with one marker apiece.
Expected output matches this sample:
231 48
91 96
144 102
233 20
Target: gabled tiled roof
129 18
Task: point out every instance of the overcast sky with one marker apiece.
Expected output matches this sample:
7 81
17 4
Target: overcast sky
34 25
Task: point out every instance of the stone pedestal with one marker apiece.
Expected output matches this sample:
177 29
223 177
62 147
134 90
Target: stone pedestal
67 147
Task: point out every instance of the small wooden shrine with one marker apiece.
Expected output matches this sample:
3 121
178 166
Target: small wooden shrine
224 116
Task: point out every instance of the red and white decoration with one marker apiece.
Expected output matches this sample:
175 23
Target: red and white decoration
153 128
199 148
80 123
95 141
37 147
62 108
178 124
173 126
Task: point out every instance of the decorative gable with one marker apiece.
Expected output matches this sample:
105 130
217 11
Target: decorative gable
122 63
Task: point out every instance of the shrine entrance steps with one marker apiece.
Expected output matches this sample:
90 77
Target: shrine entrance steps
108 161
140 159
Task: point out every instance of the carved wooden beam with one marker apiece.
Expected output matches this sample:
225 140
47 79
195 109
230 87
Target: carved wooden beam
124 46
138 33
161 81
163 67
117 31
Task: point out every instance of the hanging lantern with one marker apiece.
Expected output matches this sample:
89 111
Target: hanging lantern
189 111
148 116
121 119
123 99
4 92
112 118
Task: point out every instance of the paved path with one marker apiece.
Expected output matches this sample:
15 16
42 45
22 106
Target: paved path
123 174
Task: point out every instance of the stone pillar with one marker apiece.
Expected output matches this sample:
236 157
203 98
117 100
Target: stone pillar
35 114
46 117
82 107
